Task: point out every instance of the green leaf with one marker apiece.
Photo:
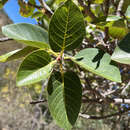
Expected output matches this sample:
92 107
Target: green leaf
29 34
59 1
122 51
97 62
36 67
51 2
37 14
64 99
127 14
26 9
98 1
113 18
67 28
117 29
19 53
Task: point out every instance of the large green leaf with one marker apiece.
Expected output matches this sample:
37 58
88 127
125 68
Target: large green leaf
98 62
64 98
67 28
19 53
36 67
29 34
122 51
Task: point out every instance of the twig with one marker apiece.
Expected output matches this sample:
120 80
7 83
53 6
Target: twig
108 93
120 101
87 10
105 100
36 102
89 105
124 90
127 22
106 38
107 4
103 117
3 39
89 86
87 100
46 8
37 105
36 6
114 4
120 12
119 8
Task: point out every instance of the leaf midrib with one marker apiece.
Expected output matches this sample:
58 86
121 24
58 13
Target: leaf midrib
95 72
51 64
66 28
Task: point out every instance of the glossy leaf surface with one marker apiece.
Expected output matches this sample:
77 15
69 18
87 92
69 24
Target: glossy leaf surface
98 62
66 29
64 98
122 51
36 67
16 54
29 34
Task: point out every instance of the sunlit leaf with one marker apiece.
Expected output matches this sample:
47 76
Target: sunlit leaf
19 53
29 34
67 29
122 51
36 67
113 18
127 14
97 62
